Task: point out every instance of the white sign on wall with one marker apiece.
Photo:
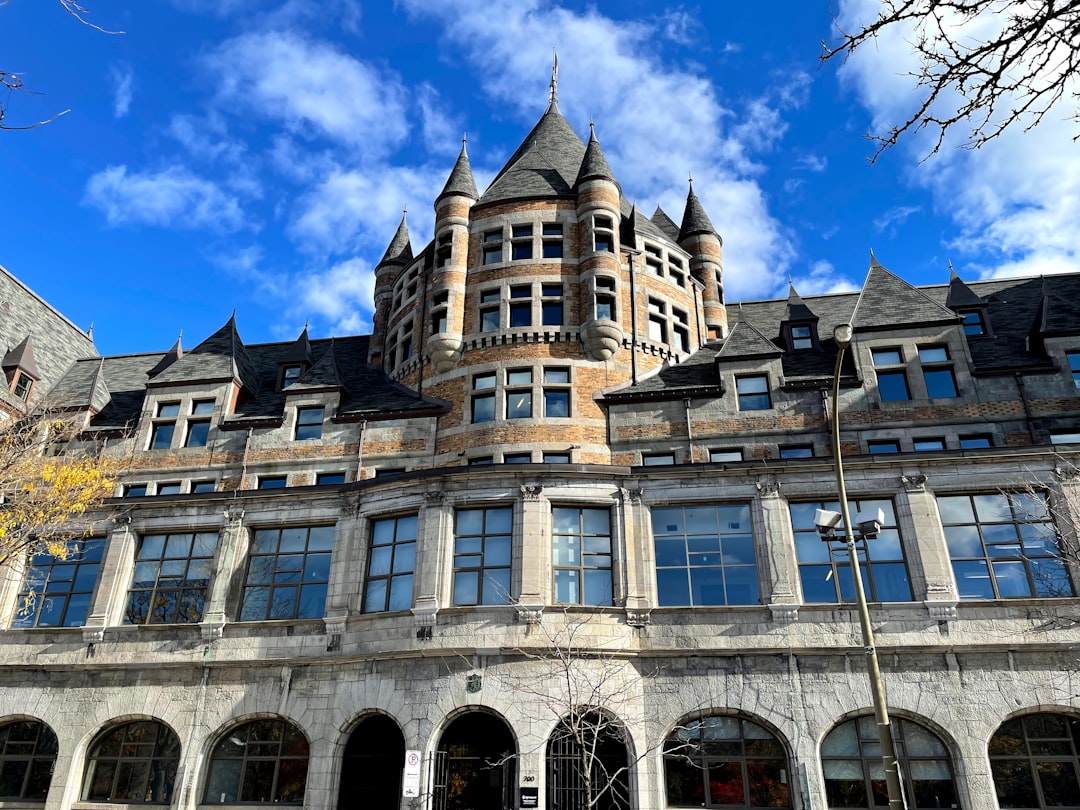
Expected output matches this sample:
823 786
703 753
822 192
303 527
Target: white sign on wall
410 786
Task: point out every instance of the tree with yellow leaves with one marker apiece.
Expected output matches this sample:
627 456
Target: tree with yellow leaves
45 498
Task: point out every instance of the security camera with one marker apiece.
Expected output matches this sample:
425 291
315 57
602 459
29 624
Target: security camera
825 522
869 522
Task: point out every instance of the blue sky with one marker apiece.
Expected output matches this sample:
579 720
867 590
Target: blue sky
257 155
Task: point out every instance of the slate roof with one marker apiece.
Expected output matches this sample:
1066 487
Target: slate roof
546 163
461 179
400 248
694 220
887 302
171 356
222 356
797 310
322 375
300 351
22 357
594 165
666 224
115 386
745 341
960 294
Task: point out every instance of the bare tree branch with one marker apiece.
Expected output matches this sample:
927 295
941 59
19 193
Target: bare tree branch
1013 78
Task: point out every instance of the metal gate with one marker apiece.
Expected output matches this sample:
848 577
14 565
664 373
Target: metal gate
609 776
439 780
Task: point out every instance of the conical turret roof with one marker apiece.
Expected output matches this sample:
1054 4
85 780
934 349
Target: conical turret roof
546 164
594 165
400 249
694 220
461 178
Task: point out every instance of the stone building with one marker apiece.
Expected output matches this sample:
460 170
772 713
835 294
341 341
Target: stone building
563 498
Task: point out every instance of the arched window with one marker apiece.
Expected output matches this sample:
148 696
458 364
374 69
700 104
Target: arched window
855 777
27 756
134 763
587 764
725 762
261 762
1035 761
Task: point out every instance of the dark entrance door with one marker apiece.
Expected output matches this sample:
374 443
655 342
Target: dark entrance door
474 768
372 766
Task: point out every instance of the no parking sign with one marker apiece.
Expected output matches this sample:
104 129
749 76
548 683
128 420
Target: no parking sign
410 787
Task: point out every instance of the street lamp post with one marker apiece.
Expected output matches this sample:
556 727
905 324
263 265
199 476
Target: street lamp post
842 335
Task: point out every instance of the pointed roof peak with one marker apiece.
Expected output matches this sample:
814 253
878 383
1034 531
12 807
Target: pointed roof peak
222 356
400 249
873 259
797 310
960 294
461 180
300 350
886 301
694 220
594 165
553 98
170 357
22 357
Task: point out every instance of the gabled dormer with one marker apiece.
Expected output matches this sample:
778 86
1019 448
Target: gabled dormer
296 361
799 329
21 370
971 307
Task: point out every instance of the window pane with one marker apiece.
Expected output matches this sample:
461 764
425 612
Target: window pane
892 386
940 383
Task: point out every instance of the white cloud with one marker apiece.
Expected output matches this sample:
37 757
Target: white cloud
123 83
1016 200
442 132
341 296
610 72
894 216
822 279
172 197
812 163
305 84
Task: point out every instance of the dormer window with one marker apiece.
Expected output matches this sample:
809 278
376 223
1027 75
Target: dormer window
290 374
801 336
24 383
974 323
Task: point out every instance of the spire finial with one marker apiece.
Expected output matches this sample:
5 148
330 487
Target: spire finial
691 176
951 270
464 139
181 335
592 128
306 321
554 76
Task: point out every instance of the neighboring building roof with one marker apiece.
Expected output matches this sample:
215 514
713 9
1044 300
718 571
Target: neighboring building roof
546 163
461 178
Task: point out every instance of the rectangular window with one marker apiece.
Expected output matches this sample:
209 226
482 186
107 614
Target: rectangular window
974 442
172 488
802 337
492 247
940 383
973 323
722 454
581 555
825 569
881 446
933 354
928 445
657 328
517 458
551 304
309 423
753 392
1003 545
489 319
518 401
553 243
202 407
482 556
556 458
603 235
23 384
892 386
162 435
289 375
886 357
605 299
273 481
520 314
172 576
1065 437
198 432
521 244
1073 359
681 330
203 486
389 584
57 592
705 555
481 461
657 459
796 451
288 570
134 490
329 478
556 400
483 405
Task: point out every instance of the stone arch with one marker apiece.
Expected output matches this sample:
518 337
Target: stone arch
132 759
257 759
28 749
588 760
720 757
475 761
1035 758
372 758
851 762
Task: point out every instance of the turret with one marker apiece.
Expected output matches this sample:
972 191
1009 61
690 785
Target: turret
397 256
447 290
699 238
598 216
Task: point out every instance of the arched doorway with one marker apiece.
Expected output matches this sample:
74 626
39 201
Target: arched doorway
475 765
587 764
372 765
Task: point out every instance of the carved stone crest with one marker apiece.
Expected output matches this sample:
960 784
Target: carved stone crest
531 492
914 483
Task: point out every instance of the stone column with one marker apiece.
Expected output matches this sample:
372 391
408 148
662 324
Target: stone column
532 552
116 567
347 568
230 555
929 566
639 561
774 540
435 530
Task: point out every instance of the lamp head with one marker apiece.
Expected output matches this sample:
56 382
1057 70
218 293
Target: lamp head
869 522
825 522
842 335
